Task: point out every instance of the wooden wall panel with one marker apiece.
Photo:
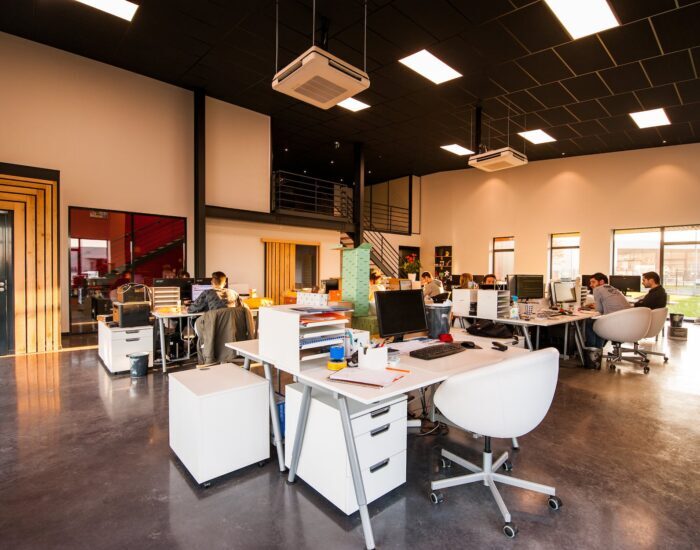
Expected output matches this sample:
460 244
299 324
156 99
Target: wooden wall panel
36 284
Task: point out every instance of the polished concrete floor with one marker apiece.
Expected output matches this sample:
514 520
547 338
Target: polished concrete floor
85 463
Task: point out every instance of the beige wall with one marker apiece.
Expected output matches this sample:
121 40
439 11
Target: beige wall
238 157
591 194
236 248
121 141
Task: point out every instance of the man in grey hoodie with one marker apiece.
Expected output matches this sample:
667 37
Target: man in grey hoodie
608 299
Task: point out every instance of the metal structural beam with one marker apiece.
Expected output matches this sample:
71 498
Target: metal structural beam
200 215
358 195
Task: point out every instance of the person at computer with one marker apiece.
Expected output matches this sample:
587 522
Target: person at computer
466 280
431 287
607 299
124 279
375 284
217 297
489 279
656 298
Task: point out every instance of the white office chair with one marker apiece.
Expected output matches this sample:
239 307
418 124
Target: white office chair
627 325
505 400
658 318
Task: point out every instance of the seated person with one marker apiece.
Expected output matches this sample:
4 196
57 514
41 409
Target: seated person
466 280
607 299
375 284
431 287
124 279
656 298
215 298
489 279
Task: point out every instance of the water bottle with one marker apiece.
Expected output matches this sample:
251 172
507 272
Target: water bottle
514 311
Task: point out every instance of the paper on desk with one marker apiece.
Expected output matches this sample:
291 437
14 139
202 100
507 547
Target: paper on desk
369 377
410 345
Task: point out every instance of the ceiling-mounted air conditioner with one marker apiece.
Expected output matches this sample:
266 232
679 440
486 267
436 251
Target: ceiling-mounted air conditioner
320 78
498 159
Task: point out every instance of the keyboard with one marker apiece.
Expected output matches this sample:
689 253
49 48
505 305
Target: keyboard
435 352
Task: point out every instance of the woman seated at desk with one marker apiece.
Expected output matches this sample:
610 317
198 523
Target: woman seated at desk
375 284
217 297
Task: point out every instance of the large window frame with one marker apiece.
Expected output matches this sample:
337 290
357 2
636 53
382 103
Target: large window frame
496 250
553 247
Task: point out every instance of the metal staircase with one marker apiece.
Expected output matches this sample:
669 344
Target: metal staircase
382 255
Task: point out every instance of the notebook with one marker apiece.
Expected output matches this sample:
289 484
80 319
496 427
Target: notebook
366 377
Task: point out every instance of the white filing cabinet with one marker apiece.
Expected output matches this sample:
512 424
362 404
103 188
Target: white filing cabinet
114 344
219 419
380 437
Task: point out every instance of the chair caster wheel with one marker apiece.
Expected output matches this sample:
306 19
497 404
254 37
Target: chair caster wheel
555 503
445 463
436 498
665 359
646 370
612 368
507 466
510 530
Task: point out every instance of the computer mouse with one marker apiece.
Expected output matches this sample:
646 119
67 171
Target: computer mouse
468 344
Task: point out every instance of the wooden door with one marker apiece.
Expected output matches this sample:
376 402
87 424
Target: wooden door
279 269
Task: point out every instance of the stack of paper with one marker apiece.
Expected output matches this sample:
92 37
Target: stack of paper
366 377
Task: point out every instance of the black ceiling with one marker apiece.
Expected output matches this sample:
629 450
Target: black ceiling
516 58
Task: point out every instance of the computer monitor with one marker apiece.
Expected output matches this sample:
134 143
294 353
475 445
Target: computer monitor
526 287
586 280
456 280
563 292
626 283
478 279
198 289
400 312
332 284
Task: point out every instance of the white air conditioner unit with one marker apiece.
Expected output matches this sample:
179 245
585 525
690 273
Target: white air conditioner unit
498 159
320 79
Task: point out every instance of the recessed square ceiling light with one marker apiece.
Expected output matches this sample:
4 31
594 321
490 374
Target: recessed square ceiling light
352 105
648 119
429 66
457 149
537 136
583 18
120 8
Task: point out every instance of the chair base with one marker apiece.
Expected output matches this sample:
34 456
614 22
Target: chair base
616 355
488 475
644 353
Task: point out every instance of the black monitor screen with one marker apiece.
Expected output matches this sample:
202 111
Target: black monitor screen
626 283
456 280
332 284
400 312
526 286
586 280
478 279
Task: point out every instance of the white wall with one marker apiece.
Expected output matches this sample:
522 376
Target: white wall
236 248
120 140
237 157
591 194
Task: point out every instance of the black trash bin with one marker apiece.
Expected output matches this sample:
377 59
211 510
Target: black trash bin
139 364
676 319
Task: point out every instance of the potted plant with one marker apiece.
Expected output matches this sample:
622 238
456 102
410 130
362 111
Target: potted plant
411 266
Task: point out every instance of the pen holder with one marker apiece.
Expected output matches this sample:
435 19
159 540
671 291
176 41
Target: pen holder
373 358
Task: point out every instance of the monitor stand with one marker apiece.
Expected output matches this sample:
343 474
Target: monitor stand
398 338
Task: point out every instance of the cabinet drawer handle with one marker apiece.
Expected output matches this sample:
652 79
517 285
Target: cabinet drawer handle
380 430
380 412
131 331
133 339
379 465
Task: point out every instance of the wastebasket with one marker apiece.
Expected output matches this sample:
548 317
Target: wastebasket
593 358
139 364
438 319
676 319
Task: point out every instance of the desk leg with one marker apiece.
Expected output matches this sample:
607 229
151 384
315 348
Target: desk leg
528 340
537 338
246 363
565 355
161 328
299 436
356 472
189 340
579 341
276 431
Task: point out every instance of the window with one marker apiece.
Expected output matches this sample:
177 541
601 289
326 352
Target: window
564 252
503 256
673 252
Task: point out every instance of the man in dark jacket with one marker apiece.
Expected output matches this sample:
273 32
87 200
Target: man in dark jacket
656 298
217 297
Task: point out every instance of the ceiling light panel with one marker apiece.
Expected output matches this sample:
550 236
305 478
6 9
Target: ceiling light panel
649 119
537 136
457 149
583 18
429 66
120 8
352 104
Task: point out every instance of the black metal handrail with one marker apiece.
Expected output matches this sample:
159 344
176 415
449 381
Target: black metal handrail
387 217
383 253
301 193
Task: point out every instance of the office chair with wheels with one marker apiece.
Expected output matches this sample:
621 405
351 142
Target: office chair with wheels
627 325
505 400
658 318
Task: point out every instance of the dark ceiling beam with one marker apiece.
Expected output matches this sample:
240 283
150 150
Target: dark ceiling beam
278 218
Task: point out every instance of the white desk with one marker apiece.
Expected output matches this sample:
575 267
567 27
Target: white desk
423 374
161 316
